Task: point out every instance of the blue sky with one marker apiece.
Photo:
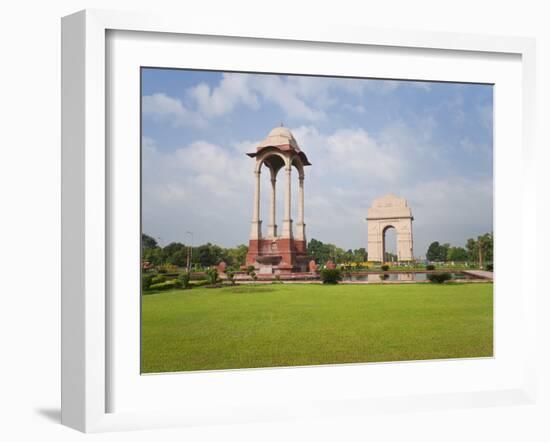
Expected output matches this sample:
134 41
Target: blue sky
428 142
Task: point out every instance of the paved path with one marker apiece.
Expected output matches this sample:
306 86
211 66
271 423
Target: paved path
480 274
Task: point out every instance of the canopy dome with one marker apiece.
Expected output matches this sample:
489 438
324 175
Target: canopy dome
281 139
278 137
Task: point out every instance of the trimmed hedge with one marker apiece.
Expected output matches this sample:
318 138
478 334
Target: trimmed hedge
430 267
166 285
439 278
146 281
331 276
158 279
212 276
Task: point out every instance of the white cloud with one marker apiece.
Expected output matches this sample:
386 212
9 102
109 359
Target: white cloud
162 107
200 187
300 98
349 152
290 94
450 210
232 90
285 92
212 167
246 146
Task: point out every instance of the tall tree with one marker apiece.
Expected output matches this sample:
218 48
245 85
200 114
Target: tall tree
360 255
471 248
485 248
148 242
321 252
436 252
480 249
236 256
457 254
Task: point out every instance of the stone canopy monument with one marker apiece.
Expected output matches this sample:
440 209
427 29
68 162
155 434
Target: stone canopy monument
285 252
386 212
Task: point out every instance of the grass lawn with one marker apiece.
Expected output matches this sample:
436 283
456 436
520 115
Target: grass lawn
304 324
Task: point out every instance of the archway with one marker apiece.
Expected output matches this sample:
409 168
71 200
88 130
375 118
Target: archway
272 194
389 212
389 243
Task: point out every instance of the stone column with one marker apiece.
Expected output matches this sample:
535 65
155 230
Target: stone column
256 230
287 221
301 227
375 240
272 229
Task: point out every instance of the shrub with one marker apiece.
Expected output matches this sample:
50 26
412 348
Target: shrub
167 268
146 281
212 276
489 267
253 276
184 279
385 267
439 278
250 269
198 283
158 279
430 267
331 276
166 285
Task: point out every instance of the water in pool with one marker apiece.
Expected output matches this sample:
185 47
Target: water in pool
413 276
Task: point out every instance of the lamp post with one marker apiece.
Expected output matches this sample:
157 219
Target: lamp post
189 253
160 258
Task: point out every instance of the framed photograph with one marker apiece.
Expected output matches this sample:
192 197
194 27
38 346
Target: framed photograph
270 224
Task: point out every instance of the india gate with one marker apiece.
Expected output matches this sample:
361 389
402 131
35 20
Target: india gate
386 212
281 251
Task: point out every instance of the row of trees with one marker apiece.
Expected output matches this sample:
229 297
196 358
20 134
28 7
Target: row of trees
177 253
208 254
322 252
478 250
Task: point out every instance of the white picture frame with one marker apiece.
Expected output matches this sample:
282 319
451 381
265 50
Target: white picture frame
87 204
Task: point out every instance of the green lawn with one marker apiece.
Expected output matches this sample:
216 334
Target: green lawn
303 324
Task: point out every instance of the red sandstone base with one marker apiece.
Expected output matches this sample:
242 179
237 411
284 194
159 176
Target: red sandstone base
278 255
